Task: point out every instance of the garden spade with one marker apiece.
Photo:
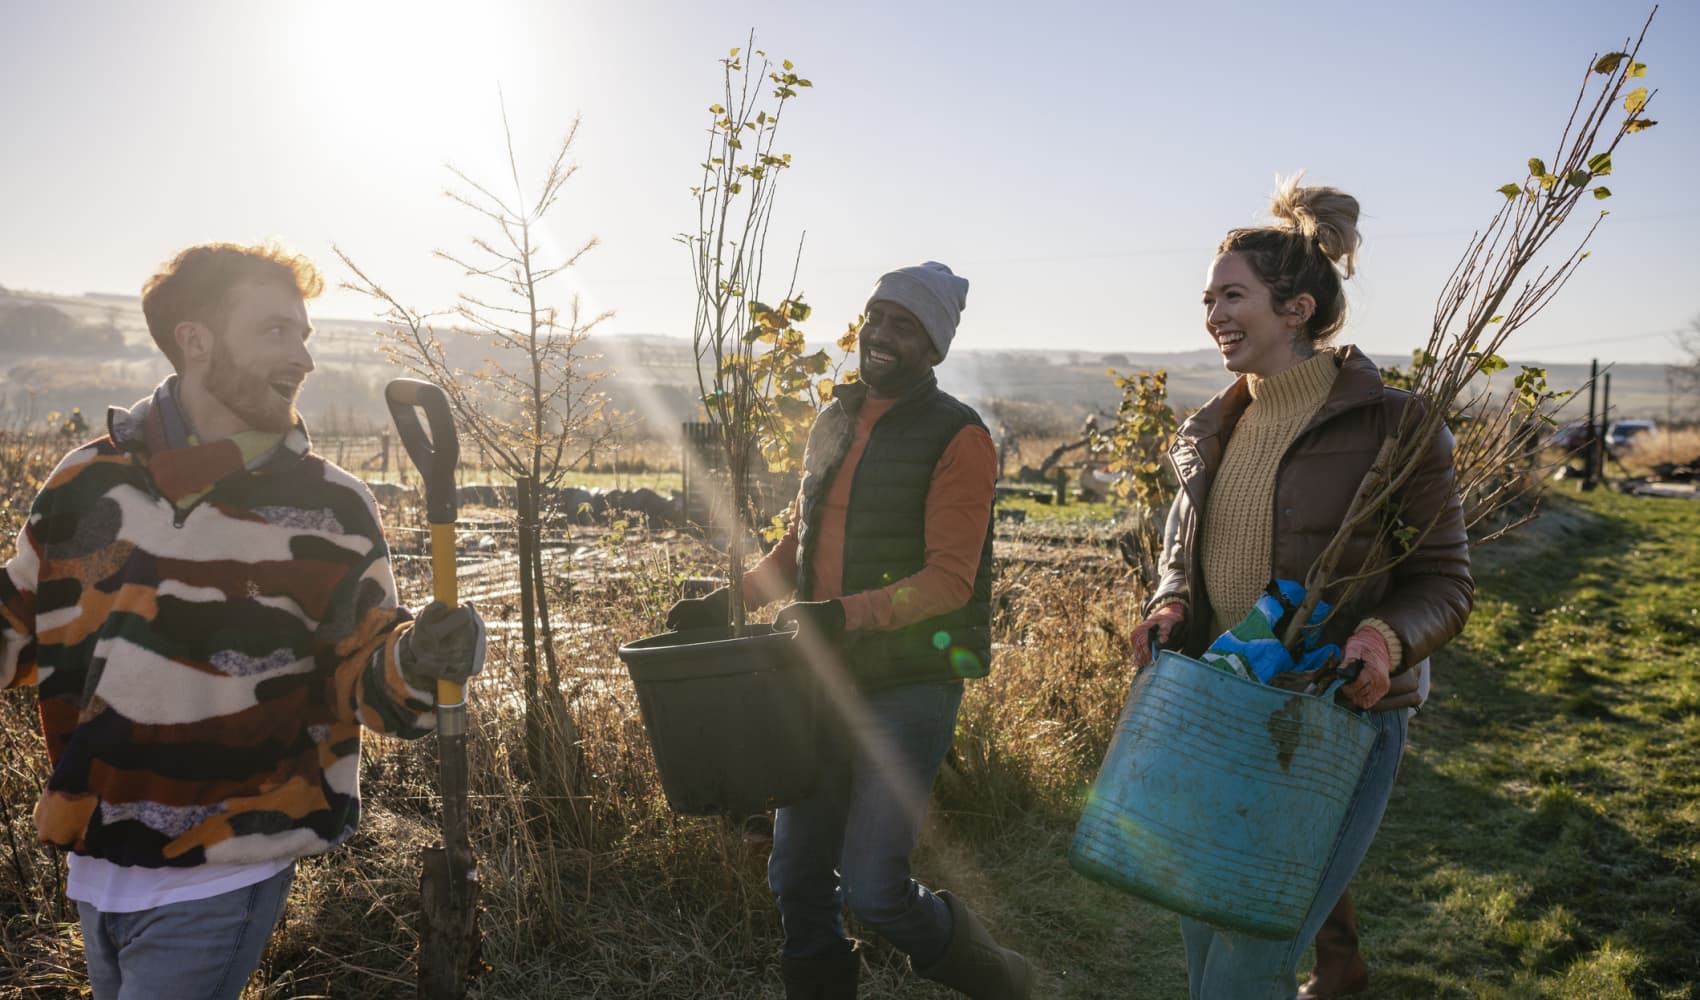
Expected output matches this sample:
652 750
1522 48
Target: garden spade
448 885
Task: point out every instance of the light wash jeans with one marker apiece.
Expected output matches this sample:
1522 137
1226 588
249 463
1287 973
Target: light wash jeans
849 842
203 949
1224 966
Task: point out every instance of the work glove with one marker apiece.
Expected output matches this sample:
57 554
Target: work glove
712 610
1369 646
1163 622
443 644
823 618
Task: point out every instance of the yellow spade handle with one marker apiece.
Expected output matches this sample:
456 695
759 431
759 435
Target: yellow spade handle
444 587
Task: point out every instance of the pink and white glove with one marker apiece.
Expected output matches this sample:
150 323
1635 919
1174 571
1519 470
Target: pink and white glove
1370 646
1163 621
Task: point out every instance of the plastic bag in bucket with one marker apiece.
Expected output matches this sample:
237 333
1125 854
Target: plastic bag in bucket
1220 798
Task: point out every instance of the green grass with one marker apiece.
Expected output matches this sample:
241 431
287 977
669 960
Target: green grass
1544 835
1072 512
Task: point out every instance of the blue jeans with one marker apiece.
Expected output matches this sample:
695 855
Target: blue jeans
1224 966
848 843
203 949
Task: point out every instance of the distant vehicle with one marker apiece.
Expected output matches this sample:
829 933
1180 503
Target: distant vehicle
1622 433
1569 437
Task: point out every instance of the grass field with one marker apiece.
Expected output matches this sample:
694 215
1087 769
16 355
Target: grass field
1543 839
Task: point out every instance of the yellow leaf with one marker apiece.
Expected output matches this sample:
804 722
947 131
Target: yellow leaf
1636 100
1608 63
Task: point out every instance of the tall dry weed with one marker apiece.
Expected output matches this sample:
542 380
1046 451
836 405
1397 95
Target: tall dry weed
1032 733
1662 447
609 893
38 942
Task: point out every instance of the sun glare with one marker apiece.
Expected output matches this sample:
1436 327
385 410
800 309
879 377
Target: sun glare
409 81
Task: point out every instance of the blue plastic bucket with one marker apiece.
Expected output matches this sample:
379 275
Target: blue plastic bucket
1221 798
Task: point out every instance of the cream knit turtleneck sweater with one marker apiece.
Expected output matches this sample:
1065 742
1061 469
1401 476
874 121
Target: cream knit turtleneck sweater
1238 519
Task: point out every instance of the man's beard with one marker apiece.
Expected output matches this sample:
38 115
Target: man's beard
248 394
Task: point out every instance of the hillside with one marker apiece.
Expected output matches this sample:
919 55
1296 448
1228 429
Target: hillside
94 350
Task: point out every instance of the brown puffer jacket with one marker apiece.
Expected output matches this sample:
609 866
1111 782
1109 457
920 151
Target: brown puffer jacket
1426 598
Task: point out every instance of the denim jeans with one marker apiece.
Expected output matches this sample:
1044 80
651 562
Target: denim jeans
1224 966
203 949
848 843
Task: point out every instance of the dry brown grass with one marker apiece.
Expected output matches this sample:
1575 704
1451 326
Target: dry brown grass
1662 447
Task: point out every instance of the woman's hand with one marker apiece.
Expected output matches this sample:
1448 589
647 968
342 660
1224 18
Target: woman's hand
1163 622
1368 645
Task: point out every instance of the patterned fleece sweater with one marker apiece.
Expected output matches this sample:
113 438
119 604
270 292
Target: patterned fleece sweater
206 640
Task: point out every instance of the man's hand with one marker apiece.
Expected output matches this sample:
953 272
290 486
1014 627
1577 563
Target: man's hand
1368 645
823 618
443 644
709 611
1163 623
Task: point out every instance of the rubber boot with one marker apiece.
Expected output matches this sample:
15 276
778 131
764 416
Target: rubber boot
974 964
1340 971
831 978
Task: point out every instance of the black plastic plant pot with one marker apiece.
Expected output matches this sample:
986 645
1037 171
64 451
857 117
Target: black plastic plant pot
731 721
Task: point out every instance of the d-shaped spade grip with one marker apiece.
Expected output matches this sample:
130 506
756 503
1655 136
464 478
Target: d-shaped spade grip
435 454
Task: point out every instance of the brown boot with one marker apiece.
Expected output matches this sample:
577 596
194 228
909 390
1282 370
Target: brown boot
831 978
974 964
1340 971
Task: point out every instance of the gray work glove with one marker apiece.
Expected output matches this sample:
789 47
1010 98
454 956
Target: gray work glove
710 611
443 644
824 618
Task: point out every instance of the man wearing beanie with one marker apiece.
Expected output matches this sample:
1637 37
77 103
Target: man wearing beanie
889 553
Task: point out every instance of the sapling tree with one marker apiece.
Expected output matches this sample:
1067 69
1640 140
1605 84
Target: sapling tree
1133 448
533 403
757 380
1686 374
1500 432
1486 299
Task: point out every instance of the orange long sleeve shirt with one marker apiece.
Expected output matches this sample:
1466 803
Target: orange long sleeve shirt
959 508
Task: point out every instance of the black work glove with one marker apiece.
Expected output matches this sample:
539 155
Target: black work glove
824 618
712 610
443 644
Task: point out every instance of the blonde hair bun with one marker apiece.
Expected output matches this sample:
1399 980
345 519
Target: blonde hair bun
1324 214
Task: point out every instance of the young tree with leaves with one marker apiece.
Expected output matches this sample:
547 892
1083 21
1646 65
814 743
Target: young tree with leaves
533 404
758 382
1486 299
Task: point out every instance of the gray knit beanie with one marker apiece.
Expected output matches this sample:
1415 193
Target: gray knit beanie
930 291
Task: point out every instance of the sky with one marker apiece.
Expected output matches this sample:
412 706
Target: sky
1077 162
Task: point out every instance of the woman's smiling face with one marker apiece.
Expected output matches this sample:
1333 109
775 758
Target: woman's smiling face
1256 335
